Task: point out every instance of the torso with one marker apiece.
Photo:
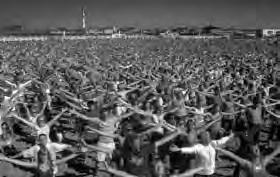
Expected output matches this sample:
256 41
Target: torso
110 128
207 155
44 164
256 115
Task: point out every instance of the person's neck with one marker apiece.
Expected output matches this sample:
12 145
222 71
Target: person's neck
257 160
43 147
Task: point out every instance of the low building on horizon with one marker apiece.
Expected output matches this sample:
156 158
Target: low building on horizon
270 32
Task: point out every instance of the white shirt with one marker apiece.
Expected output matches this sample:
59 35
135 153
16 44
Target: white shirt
33 151
206 155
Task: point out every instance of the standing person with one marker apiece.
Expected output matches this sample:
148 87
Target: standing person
7 137
44 154
256 167
206 154
107 126
45 158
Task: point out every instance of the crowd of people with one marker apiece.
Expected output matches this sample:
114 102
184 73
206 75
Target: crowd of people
140 107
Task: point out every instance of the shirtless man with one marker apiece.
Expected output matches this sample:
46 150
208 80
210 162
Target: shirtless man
256 167
41 127
45 158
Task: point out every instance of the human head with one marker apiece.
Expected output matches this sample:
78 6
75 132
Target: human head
148 106
41 121
205 138
2 96
135 141
42 140
190 124
4 124
106 111
91 105
35 108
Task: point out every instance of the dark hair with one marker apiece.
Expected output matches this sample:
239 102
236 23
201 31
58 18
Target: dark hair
4 123
205 138
90 103
42 134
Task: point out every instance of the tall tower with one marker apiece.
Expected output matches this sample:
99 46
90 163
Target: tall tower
83 19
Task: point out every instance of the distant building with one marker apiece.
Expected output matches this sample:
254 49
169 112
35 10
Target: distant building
94 31
169 34
58 31
271 32
250 32
227 33
107 31
118 35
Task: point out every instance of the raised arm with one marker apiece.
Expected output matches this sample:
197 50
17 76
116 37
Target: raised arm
25 121
143 96
65 159
4 89
101 132
271 104
42 110
205 127
20 88
18 162
170 111
189 150
222 141
134 83
11 84
126 115
271 156
27 110
273 114
73 105
51 122
241 161
82 116
206 94
231 113
117 172
96 148
138 111
227 92
125 92
167 138
208 107
240 105
192 109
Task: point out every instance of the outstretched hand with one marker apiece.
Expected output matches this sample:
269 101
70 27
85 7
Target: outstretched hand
3 157
174 148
